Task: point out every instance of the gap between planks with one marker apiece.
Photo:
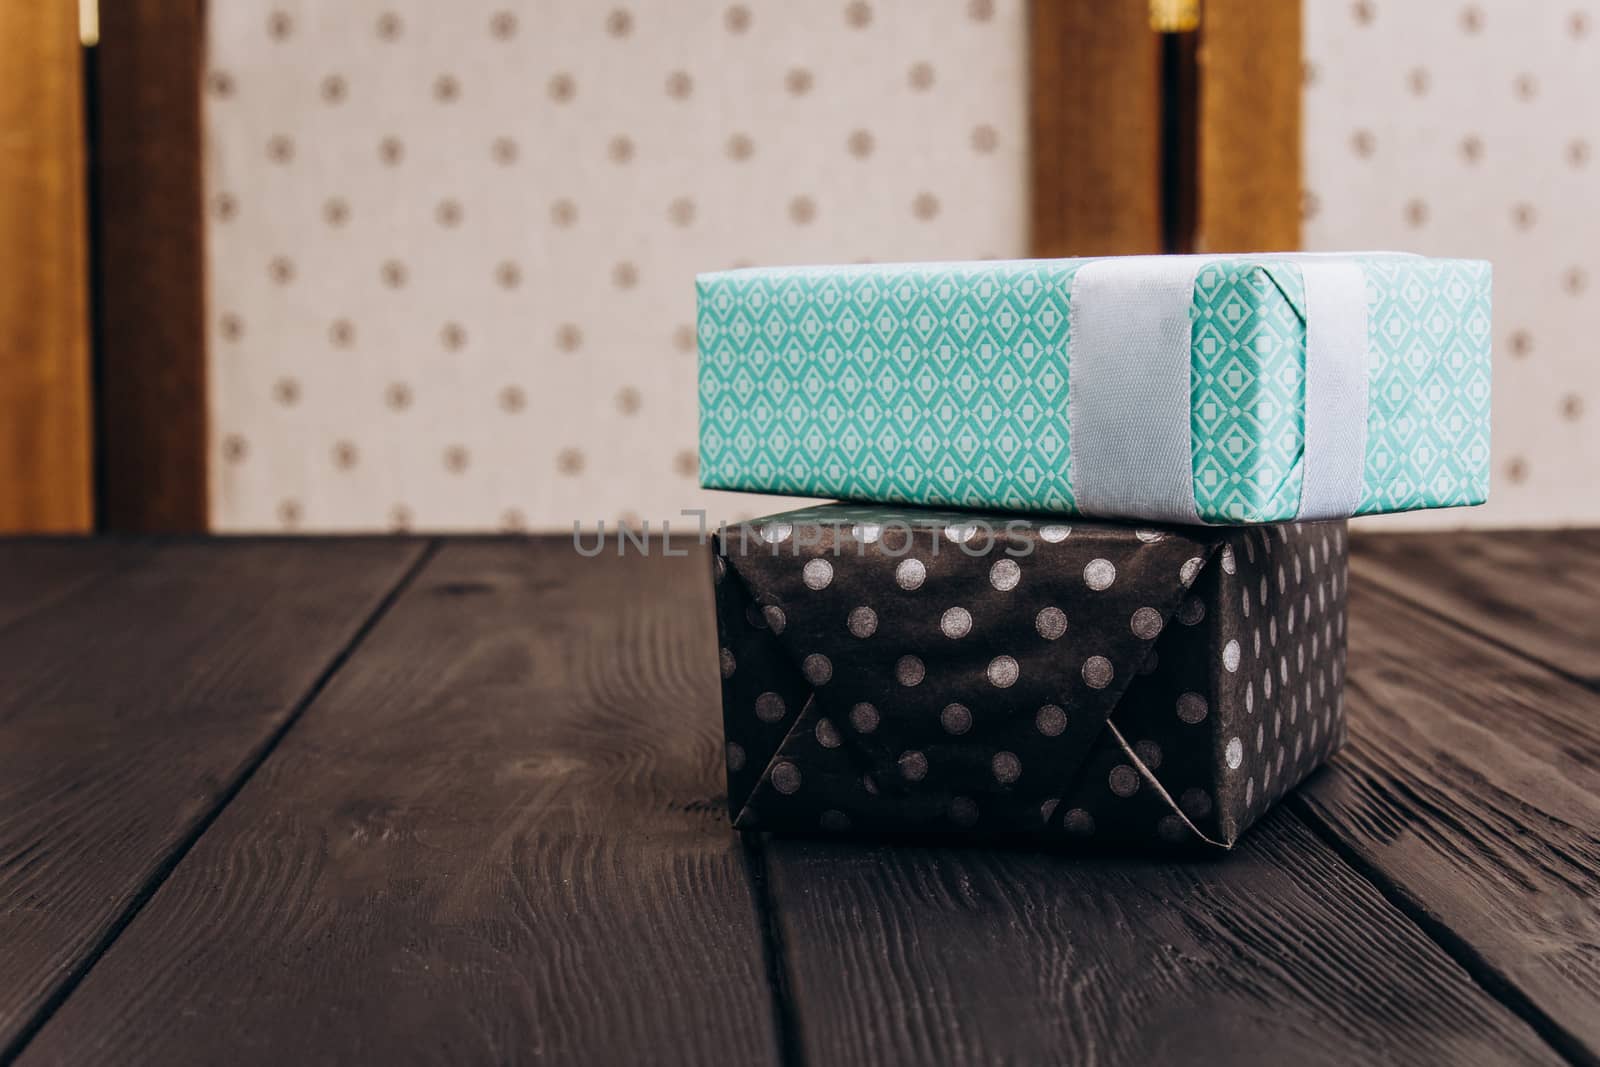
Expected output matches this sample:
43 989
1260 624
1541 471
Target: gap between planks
791 1051
1490 978
1495 983
9 1053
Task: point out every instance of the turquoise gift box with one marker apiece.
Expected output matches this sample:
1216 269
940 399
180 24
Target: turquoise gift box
1217 389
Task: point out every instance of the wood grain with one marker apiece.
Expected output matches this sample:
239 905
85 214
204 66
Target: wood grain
153 401
35 573
132 705
1248 181
1534 591
46 467
1094 92
1471 789
1277 954
499 835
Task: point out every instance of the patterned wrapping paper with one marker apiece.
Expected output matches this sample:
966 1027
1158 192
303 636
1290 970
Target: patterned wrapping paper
947 384
889 669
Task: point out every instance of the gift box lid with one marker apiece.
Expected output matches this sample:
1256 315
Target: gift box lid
1217 389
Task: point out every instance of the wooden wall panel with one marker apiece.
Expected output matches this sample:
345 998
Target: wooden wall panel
153 369
1147 142
46 466
1095 100
1248 177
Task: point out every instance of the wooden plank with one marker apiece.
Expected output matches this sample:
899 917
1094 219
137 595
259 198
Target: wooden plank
131 708
35 573
1471 791
1094 91
1279 953
153 400
499 835
1248 182
46 467
1534 591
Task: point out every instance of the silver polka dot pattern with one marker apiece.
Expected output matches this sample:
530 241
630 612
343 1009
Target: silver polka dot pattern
866 532
1124 780
1051 623
1099 574
1192 708
774 533
1003 672
909 671
864 718
1146 624
770 707
1054 533
1097 672
863 622
786 777
1190 571
913 766
735 757
956 623
956 719
1282 735
909 574
1051 720
1078 822
817 668
817 574
960 534
828 734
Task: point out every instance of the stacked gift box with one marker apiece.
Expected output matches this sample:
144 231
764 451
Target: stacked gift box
1087 577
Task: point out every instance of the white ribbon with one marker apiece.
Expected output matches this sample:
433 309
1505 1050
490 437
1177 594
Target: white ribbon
1129 390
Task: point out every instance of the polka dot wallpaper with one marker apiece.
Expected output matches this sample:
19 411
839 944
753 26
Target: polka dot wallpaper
1470 129
451 247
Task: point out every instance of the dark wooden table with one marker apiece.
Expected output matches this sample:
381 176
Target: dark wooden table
295 801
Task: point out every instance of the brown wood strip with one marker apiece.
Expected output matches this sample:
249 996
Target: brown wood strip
153 403
1279 953
131 706
46 477
35 573
1534 591
1248 181
1471 789
1094 91
499 835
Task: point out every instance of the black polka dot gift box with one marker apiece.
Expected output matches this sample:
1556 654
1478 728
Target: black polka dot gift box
890 670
